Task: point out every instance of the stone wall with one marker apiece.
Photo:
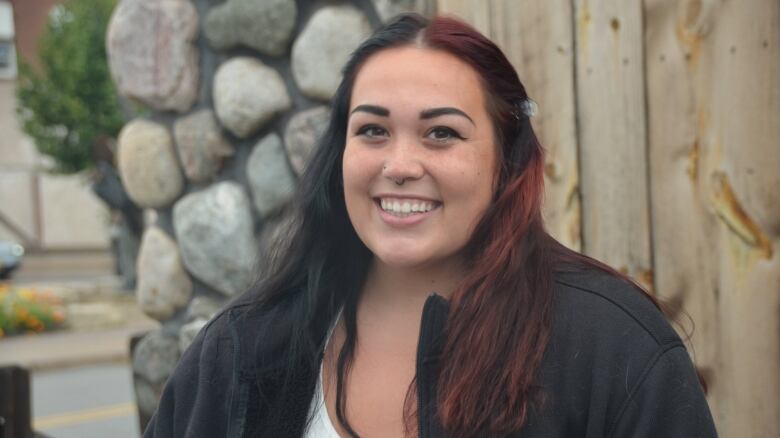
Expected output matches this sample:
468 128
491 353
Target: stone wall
238 94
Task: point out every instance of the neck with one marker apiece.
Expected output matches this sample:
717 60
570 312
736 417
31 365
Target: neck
402 288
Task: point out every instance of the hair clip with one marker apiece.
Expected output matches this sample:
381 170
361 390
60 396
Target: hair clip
528 107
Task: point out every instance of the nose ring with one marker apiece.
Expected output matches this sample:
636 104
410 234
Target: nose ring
398 182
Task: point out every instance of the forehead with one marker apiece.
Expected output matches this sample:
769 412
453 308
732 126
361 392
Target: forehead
413 77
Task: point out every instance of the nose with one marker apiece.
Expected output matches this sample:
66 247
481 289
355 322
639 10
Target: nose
403 164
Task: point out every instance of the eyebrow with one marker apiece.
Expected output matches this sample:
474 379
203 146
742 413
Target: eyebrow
447 110
424 114
372 109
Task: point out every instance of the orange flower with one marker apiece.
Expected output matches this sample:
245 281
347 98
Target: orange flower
26 294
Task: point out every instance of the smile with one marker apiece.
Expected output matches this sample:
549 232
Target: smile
402 207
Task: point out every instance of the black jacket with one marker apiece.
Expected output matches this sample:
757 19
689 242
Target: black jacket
613 368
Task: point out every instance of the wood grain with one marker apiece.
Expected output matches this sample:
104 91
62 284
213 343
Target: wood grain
612 134
713 81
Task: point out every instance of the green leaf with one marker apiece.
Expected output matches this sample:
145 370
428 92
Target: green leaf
71 101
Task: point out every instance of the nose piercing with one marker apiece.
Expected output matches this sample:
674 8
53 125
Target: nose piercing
398 182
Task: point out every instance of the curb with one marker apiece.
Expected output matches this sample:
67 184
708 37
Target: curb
49 351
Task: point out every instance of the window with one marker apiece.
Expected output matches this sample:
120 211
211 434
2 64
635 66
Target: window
5 54
7 49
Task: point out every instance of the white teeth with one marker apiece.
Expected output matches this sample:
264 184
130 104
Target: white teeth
402 207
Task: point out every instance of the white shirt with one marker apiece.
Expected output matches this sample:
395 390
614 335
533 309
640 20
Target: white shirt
321 426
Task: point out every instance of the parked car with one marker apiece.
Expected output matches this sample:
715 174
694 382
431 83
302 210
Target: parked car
11 254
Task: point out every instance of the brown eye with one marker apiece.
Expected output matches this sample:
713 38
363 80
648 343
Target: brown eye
372 131
443 134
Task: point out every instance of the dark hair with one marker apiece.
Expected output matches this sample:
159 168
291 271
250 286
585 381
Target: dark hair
323 263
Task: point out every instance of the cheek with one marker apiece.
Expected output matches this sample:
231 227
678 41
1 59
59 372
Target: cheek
473 178
488 173
350 163
356 174
347 167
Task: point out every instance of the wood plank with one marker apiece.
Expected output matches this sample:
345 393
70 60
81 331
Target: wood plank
713 81
612 133
537 38
474 12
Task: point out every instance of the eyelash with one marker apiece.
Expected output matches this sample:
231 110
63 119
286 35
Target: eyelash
451 132
364 130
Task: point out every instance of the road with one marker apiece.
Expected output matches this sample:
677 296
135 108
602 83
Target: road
94 401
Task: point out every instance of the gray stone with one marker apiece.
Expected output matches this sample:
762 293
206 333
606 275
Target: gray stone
303 132
270 179
247 94
203 308
146 396
265 26
147 164
323 47
163 284
201 145
155 357
387 9
188 331
215 233
151 52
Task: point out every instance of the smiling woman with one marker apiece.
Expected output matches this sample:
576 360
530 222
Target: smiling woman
427 146
418 293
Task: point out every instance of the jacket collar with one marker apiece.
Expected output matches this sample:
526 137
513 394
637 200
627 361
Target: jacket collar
429 350
248 325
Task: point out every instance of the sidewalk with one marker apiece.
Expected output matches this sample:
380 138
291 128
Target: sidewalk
71 348
100 316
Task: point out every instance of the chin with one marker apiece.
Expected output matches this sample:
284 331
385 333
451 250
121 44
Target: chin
401 261
401 258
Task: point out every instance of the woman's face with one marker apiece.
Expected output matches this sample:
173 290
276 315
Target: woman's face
420 157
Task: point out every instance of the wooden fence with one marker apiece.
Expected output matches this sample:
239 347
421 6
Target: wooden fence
661 119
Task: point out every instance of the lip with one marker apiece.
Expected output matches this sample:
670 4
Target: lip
406 221
405 196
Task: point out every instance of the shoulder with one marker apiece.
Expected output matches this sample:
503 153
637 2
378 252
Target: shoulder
214 354
605 306
198 397
610 358
197 385
239 332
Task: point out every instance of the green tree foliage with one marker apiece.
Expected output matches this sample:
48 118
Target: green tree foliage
70 102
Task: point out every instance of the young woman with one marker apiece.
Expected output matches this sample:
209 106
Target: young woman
418 293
